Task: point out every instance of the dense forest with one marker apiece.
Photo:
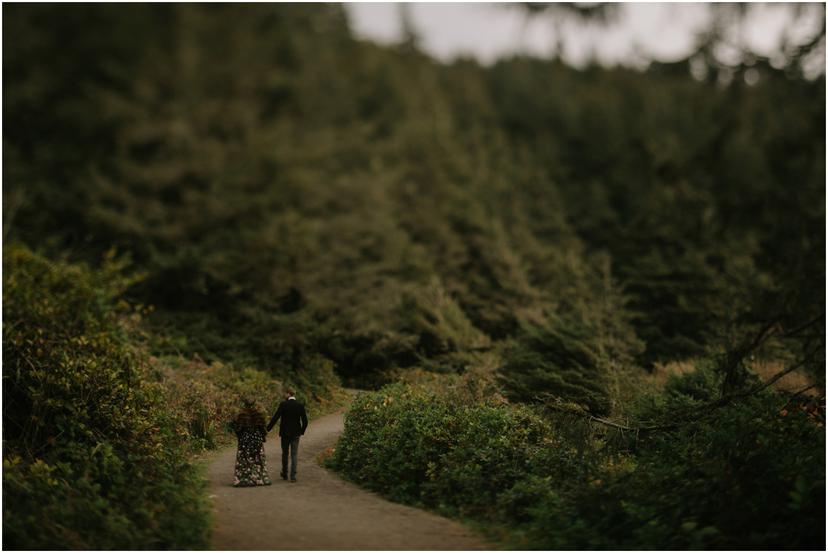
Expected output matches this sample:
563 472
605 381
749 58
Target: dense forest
574 292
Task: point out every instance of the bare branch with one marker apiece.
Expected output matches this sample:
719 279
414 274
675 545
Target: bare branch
644 428
774 378
797 394
696 413
800 328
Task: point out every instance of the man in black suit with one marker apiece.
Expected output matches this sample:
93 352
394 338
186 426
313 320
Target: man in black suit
294 423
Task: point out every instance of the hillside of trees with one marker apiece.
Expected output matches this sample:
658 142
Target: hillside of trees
247 196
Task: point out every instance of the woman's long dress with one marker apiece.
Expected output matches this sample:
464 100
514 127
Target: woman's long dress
251 465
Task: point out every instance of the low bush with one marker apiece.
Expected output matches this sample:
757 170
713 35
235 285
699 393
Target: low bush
98 433
419 447
92 458
744 475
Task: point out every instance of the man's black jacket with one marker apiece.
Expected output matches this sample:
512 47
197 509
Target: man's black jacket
294 419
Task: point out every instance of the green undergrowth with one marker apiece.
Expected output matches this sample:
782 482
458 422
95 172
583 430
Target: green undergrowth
99 435
744 476
92 458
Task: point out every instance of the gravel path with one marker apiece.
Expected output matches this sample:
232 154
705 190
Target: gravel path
320 511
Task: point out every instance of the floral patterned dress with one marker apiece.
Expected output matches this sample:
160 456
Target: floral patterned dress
251 465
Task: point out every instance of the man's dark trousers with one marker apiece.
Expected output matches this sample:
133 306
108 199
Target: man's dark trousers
293 445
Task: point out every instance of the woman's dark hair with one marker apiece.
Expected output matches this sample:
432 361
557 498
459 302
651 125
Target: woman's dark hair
249 416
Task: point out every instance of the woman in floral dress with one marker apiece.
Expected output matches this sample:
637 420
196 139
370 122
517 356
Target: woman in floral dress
251 465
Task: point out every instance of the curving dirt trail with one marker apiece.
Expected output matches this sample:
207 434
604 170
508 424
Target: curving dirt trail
320 511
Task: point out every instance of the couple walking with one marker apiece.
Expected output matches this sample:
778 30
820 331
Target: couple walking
249 426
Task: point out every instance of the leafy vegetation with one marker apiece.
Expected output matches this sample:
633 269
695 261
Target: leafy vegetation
91 458
547 481
98 434
298 207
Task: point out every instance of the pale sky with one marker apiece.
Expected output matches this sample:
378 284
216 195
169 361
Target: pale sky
665 31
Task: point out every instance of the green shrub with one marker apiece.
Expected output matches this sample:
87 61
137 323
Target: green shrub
92 458
418 447
746 475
